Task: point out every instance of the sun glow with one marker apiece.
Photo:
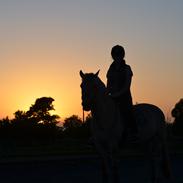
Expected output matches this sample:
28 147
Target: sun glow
44 45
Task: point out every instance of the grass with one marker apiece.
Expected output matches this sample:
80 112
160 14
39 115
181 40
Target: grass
69 147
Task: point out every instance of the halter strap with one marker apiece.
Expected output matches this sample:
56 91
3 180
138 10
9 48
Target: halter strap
83 116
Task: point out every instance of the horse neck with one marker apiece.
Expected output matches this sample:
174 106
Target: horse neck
99 103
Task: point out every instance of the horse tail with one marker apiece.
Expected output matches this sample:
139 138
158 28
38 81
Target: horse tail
165 157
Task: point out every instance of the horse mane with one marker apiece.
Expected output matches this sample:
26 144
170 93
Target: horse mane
100 85
91 77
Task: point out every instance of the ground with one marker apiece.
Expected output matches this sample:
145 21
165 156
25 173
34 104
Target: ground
79 169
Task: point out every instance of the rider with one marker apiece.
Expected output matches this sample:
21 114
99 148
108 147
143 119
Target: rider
119 78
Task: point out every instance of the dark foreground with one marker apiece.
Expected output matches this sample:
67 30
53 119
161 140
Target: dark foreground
80 170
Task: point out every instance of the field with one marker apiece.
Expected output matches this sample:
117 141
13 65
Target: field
70 147
71 160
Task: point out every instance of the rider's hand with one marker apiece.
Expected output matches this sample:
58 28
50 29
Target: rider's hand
114 95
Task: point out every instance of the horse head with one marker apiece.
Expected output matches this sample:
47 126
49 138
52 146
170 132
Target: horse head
87 89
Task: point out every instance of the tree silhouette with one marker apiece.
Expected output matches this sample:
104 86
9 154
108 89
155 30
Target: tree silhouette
5 122
71 126
40 111
37 122
72 122
5 128
75 128
177 113
20 118
21 126
20 115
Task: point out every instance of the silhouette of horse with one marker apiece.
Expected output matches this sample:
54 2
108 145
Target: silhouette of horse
107 128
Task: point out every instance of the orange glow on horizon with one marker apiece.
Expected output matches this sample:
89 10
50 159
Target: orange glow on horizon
44 44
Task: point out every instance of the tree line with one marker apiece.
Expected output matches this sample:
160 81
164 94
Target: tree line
177 113
38 124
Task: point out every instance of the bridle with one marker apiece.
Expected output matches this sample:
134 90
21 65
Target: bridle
88 96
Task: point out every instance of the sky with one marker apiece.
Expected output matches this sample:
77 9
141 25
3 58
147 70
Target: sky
45 43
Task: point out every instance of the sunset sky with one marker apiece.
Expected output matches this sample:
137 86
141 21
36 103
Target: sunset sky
44 44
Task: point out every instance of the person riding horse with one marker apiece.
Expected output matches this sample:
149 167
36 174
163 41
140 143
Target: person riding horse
107 128
119 76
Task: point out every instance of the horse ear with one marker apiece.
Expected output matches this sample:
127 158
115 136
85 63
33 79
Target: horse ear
81 74
96 74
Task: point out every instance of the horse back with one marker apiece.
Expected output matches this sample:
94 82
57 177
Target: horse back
150 120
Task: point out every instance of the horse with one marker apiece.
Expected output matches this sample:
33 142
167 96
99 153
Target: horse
107 129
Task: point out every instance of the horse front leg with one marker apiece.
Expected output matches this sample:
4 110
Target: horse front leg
105 173
116 175
110 170
106 162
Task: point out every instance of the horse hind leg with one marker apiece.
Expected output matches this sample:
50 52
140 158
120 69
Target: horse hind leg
104 172
166 169
161 162
154 153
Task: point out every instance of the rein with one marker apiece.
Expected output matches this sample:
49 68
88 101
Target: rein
83 116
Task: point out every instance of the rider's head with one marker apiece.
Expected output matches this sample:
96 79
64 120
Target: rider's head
118 52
